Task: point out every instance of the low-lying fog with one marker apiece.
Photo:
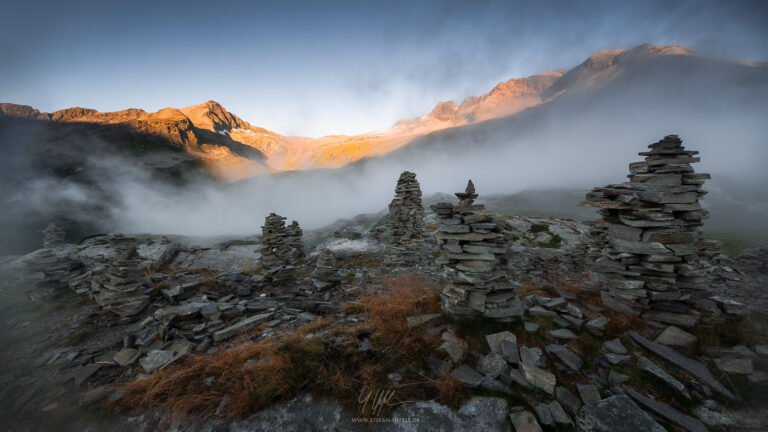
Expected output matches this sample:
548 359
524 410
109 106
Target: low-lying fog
575 143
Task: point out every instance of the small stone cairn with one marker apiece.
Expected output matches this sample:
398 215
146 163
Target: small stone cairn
293 234
120 290
50 268
643 252
405 224
53 235
275 250
326 274
471 245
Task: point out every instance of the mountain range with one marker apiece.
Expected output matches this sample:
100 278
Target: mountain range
203 170
231 149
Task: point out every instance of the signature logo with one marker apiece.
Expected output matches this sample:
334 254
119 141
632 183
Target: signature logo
376 400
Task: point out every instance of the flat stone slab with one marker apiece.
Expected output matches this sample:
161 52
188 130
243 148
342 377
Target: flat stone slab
568 357
656 370
491 365
562 334
467 376
241 325
589 393
695 368
494 340
675 336
157 359
735 365
667 412
618 414
524 421
615 346
543 379
568 400
415 321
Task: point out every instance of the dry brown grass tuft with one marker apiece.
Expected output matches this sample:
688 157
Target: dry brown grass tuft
620 322
244 379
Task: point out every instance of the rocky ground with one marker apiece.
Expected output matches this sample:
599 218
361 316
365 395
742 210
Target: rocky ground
565 362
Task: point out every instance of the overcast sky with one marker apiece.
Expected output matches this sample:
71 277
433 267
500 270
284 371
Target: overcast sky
322 67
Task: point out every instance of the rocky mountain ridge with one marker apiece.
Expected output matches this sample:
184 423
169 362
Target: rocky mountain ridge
191 128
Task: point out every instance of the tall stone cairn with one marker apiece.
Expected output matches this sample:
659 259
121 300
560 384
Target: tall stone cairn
53 235
293 234
643 252
405 222
472 245
275 251
326 274
120 290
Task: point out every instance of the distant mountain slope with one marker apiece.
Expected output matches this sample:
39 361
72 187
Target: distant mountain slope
231 148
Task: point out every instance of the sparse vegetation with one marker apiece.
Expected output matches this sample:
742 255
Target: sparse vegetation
250 376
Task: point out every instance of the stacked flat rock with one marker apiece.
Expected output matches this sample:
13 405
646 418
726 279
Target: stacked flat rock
293 234
53 235
275 252
644 250
472 244
405 222
326 274
119 289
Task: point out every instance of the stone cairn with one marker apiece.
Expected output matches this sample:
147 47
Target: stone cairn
53 236
405 222
471 245
326 274
643 252
49 269
275 250
120 290
293 234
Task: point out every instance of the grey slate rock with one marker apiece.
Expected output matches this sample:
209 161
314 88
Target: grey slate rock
544 414
530 327
667 412
568 357
615 346
467 376
493 384
524 421
655 370
562 334
558 413
568 400
494 340
510 352
589 393
617 414
674 336
491 365
693 367
515 376
156 359
597 325
532 356
617 359
482 414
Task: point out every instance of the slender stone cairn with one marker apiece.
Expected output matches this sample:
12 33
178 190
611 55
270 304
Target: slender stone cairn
326 274
120 290
405 222
53 235
275 252
643 252
293 242
472 244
